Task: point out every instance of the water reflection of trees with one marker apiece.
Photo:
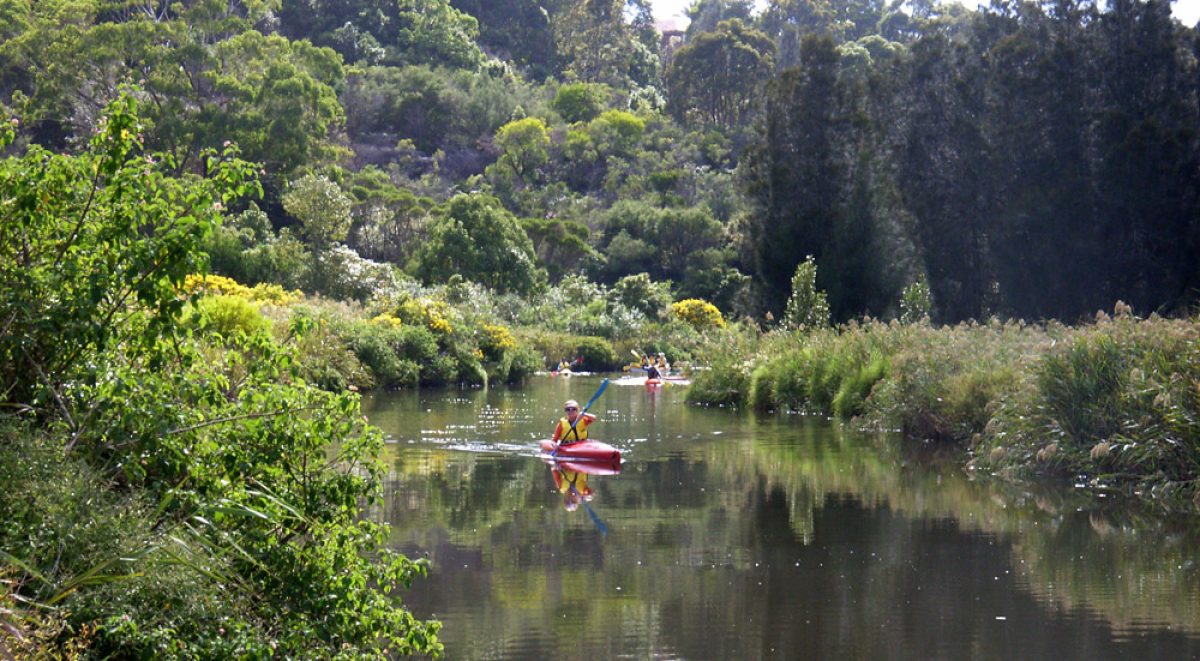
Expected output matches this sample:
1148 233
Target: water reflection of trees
853 523
1123 561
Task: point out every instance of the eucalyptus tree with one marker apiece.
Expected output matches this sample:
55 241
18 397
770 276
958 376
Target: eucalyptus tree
205 75
716 78
474 236
392 32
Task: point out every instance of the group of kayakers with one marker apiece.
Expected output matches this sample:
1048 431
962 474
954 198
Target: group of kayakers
656 367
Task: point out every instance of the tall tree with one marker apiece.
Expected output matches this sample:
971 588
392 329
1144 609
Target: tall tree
797 171
717 78
519 31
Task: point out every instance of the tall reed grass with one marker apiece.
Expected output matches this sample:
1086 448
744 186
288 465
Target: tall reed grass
1116 401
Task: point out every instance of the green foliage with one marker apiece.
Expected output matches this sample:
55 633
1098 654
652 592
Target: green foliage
212 80
522 145
228 316
561 245
616 132
915 302
395 33
807 306
717 77
597 353
187 475
579 102
246 249
88 236
389 221
472 235
639 292
579 306
376 346
322 209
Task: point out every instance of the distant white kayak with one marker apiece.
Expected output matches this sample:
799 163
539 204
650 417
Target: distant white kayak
641 381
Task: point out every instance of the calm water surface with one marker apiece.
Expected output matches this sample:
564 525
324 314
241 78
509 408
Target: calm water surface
734 536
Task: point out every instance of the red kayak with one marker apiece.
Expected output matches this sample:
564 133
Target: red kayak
583 451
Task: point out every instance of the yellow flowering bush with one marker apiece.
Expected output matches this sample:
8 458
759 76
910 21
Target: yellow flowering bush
387 320
498 337
274 294
431 314
221 285
215 284
699 313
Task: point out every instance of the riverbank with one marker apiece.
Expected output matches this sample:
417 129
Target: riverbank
1113 404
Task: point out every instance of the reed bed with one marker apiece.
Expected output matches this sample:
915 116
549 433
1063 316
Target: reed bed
1114 403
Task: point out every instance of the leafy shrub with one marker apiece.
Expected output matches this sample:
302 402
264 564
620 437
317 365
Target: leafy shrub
375 346
916 301
325 359
597 353
228 316
578 102
639 292
522 361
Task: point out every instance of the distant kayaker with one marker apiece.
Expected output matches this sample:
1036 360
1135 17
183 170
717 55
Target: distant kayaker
663 366
651 371
563 431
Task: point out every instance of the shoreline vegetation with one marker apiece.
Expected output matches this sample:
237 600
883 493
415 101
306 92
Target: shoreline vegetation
1113 404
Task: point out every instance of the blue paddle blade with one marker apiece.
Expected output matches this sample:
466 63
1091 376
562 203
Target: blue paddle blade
595 519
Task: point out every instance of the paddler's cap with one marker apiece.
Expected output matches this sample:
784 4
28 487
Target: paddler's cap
571 405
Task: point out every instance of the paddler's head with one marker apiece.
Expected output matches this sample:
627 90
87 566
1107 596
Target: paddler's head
571 408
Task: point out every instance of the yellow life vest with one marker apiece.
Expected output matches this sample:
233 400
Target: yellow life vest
580 433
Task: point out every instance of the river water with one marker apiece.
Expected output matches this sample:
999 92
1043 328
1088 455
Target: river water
728 535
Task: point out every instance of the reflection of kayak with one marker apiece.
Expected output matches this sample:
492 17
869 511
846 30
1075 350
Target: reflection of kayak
587 467
583 451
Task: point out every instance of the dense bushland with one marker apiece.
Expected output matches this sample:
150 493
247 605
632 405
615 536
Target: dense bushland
174 487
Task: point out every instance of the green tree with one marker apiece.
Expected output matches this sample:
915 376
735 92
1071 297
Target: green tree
797 173
523 145
207 79
474 236
520 31
87 237
599 46
579 102
561 245
391 32
807 307
259 479
717 77
322 209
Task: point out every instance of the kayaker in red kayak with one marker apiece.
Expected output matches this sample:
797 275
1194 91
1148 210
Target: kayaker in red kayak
563 431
